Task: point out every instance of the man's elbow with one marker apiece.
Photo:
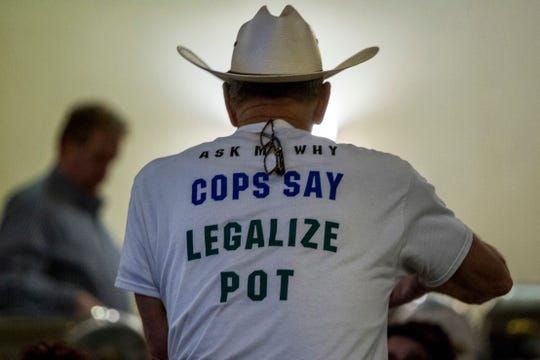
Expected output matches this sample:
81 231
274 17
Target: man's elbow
491 291
503 286
484 273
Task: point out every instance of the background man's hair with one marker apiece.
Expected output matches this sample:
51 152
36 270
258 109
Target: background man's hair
83 119
240 91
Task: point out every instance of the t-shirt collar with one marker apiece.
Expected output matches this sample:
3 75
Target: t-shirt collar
257 127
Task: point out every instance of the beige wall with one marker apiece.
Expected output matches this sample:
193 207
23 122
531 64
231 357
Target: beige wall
454 91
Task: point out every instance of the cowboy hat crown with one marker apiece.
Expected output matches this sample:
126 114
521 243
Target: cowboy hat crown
277 49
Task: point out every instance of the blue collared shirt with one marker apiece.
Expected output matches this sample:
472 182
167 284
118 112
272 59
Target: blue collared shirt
52 244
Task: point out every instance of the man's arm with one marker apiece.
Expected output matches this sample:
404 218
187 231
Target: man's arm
483 275
156 328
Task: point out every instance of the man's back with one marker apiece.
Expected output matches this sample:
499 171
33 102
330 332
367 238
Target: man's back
272 243
295 266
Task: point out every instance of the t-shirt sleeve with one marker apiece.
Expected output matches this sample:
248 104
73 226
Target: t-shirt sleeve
135 270
435 242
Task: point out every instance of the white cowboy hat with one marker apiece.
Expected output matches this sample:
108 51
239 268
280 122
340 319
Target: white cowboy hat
277 49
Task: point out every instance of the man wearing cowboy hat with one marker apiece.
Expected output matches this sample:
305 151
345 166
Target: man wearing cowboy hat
273 243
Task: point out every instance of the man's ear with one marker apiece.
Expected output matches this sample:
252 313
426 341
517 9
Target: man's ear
228 105
322 103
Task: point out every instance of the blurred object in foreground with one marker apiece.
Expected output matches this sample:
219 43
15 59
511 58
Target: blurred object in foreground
512 327
107 335
441 310
56 350
419 340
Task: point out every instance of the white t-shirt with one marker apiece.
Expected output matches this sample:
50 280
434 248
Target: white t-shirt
299 266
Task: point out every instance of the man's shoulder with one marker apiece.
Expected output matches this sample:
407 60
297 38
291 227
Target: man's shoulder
375 158
28 194
26 202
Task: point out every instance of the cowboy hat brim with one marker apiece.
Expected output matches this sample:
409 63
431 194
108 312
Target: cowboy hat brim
354 60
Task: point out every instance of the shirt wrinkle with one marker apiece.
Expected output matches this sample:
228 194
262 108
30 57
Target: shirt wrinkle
402 215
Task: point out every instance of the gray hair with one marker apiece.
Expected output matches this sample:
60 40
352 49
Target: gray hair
241 91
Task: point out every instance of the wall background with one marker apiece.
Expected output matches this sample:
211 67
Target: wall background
454 90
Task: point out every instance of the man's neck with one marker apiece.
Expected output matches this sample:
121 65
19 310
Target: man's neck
71 174
296 114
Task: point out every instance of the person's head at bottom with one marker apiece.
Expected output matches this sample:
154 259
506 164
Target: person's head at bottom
416 340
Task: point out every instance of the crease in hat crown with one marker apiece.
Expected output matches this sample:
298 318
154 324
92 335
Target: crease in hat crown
277 49
269 45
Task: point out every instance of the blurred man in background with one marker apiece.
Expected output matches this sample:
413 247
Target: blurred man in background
56 256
